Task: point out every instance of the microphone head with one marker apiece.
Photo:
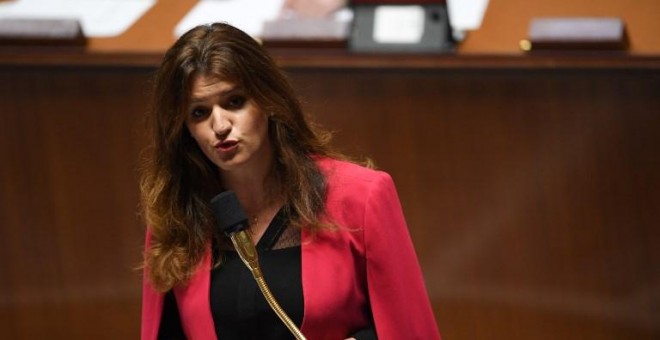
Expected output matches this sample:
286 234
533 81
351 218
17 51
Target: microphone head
228 212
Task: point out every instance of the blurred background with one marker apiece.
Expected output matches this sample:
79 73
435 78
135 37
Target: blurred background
530 180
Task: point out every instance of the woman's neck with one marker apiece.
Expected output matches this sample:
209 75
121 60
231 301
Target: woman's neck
248 180
259 202
257 192
249 186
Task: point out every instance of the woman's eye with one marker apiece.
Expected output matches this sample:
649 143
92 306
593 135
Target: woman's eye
235 102
199 112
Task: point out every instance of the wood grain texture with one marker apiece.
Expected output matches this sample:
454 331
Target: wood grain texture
506 22
70 237
531 184
530 195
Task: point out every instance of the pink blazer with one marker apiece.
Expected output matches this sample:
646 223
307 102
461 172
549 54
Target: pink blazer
369 262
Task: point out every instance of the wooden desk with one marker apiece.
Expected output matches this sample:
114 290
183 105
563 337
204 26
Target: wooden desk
506 22
530 183
495 44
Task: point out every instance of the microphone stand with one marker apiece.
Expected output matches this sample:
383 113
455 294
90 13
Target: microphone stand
232 219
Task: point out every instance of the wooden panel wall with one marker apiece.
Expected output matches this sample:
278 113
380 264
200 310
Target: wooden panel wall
70 237
531 192
532 195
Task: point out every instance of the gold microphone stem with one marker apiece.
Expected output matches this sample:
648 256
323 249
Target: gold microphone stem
243 245
276 307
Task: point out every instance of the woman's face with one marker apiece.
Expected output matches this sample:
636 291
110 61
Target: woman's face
228 126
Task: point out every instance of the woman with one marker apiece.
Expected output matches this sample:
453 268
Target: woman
331 236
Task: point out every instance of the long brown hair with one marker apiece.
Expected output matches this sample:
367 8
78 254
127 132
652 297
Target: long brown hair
178 180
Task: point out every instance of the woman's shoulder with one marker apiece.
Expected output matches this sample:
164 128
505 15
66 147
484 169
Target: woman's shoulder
353 189
349 175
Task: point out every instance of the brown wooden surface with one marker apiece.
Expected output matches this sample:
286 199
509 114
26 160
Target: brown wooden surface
70 237
506 22
531 184
531 195
152 33
495 44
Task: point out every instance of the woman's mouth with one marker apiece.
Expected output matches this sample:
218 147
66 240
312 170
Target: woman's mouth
227 145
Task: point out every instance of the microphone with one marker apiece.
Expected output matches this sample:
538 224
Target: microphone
233 221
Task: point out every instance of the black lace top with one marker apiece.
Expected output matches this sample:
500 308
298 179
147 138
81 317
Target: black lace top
238 307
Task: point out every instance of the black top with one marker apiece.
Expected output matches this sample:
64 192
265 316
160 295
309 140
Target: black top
238 307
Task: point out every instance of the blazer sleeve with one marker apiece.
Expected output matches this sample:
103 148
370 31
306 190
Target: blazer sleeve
152 304
399 302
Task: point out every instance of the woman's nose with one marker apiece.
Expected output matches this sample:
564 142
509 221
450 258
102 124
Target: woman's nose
220 123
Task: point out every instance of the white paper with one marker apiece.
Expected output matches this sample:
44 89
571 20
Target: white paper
466 15
98 18
398 24
246 15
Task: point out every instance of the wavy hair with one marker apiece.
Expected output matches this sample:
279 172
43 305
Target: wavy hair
177 180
